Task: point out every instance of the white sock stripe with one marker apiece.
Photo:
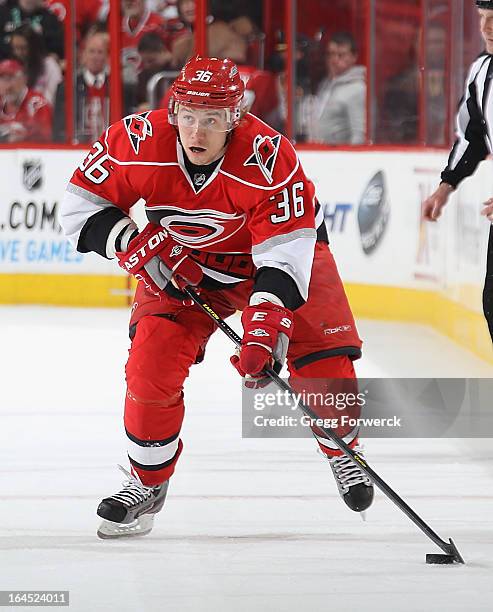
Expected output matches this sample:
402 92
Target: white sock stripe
151 455
348 438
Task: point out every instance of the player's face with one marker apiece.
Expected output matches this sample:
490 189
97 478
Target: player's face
486 27
203 133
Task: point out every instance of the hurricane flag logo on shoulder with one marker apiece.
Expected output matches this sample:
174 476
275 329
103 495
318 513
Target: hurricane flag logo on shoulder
265 150
138 129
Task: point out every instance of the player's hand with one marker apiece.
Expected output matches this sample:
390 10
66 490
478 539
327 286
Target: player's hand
488 210
267 329
156 259
431 208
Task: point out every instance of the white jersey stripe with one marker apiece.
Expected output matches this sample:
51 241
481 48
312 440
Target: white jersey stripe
270 243
76 210
270 187
220 276
292 253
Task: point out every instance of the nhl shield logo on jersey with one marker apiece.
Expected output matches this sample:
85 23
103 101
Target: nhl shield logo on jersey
176 250
138 129
31 174
199 179
265 150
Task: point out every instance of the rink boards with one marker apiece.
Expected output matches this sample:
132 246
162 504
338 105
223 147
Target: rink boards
395 267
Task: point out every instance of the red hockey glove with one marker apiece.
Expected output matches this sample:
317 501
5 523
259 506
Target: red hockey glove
155 258
267 329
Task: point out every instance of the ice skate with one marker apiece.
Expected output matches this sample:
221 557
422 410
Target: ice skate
130 512
355 488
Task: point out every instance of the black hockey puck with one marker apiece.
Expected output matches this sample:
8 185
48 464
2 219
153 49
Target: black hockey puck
439 559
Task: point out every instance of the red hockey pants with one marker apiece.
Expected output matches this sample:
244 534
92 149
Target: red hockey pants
170 337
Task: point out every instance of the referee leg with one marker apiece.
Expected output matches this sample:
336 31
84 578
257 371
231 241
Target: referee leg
488 286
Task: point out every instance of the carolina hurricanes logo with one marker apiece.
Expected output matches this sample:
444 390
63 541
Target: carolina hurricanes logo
196 228
264 155
138 129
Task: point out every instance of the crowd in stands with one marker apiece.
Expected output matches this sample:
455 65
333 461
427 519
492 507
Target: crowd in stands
157 38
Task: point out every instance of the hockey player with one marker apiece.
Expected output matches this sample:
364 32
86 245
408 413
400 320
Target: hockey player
230 211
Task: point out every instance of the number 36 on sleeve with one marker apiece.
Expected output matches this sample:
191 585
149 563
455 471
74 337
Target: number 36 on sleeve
289 202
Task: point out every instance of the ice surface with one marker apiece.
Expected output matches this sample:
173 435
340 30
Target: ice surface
248 524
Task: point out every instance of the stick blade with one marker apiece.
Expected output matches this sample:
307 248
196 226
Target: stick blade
454 556
439 559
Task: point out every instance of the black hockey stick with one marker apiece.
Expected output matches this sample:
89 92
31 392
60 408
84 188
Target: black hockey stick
452 554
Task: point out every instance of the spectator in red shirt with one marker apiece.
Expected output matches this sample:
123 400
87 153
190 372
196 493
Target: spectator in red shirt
137 20
25 116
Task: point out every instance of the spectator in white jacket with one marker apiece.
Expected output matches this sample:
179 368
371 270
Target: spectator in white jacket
340 103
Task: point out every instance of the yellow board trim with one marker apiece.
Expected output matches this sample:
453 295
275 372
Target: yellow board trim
65 290
466 327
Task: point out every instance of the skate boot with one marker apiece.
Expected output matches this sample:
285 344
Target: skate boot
355 488
130 512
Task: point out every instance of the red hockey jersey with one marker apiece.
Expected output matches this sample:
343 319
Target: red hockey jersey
257 201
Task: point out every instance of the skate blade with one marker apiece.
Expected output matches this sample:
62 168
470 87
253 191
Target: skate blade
141 526
363 515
